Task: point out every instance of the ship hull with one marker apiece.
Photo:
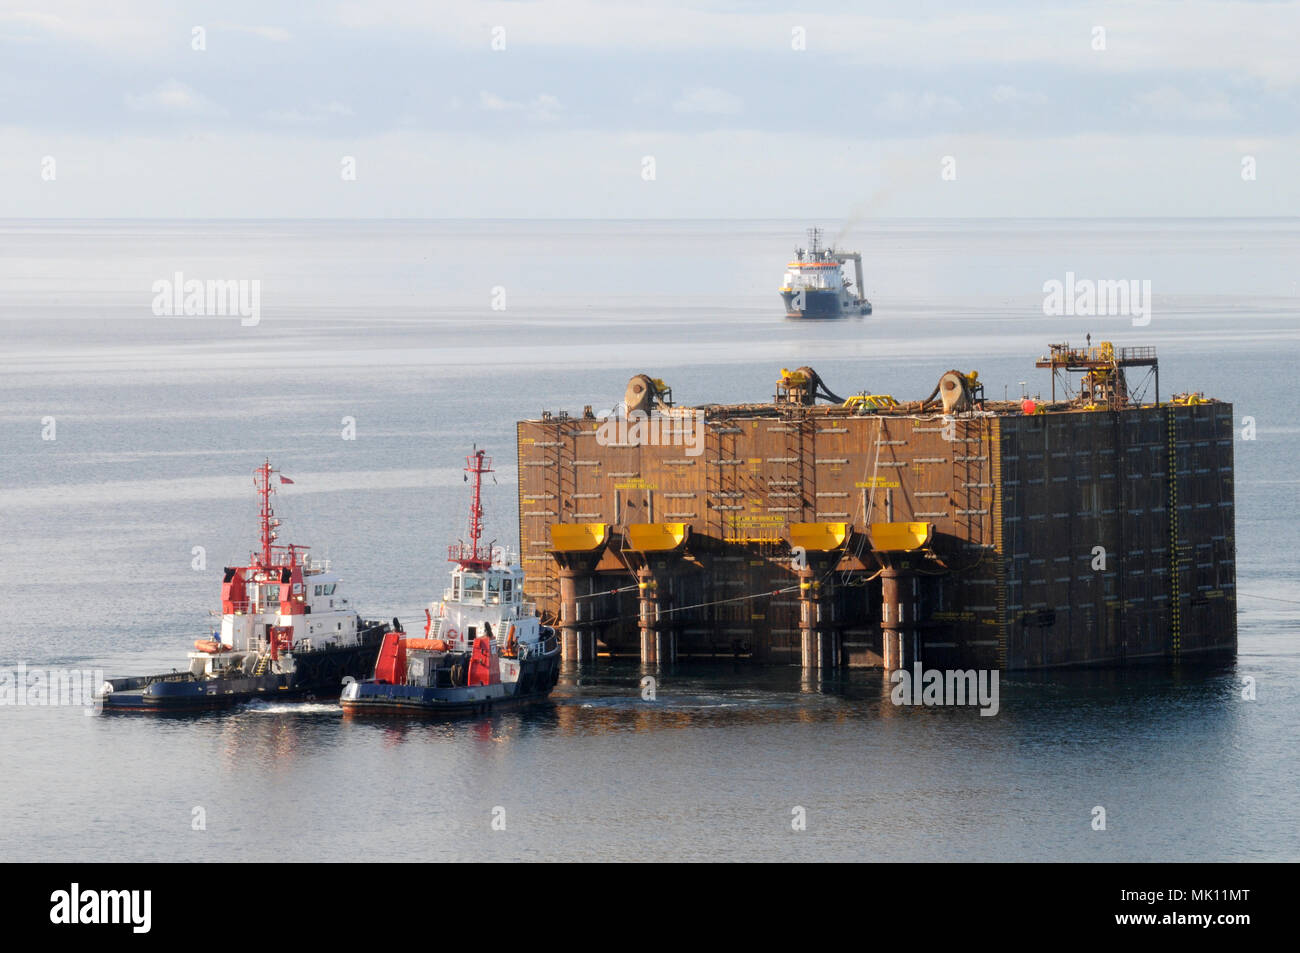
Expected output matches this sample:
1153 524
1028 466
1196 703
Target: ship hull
317 674
535 683
822 305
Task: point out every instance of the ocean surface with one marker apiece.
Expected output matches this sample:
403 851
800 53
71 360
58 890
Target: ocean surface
432 337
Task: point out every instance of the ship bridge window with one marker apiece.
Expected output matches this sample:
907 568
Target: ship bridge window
472 588
506 586
494 590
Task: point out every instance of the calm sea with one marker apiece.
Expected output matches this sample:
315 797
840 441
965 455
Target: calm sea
159 421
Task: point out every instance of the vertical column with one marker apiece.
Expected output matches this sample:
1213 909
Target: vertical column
569 609
809 611
648 602
577 634
895 619
818 629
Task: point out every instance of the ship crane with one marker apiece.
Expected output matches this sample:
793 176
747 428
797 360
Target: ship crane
859 289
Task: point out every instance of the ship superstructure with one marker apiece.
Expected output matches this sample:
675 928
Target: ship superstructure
287 630
815 286
282 600
484 646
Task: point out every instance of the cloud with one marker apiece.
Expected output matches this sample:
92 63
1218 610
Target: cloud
1009 94
541 108
89 24
709 100
1254 39
1170 103
900 106
174 98
273 33
494 103
315 113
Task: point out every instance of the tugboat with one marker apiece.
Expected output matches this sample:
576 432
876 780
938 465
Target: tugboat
483 647
815 286
287 632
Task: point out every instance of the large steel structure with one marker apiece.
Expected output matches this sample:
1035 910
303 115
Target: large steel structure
868 532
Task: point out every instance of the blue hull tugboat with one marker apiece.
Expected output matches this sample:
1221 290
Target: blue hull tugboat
483 648
287 633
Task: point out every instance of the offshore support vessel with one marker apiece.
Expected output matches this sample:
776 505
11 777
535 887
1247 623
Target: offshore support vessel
287 632
815 286
484 647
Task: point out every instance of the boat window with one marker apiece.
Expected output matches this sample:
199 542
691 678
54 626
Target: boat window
455 588
318 590
494 590
473 587
506 585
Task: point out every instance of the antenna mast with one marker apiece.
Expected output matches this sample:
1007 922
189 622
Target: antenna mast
266 515
469 556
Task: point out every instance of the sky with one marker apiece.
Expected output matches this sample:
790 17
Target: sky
608 109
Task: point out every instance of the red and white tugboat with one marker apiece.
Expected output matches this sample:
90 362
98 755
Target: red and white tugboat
483 647
287 632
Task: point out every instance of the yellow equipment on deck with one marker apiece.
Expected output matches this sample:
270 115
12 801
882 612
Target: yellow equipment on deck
874 401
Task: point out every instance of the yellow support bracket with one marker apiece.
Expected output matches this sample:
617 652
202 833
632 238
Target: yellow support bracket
819 537
656 537
578 537
900 537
